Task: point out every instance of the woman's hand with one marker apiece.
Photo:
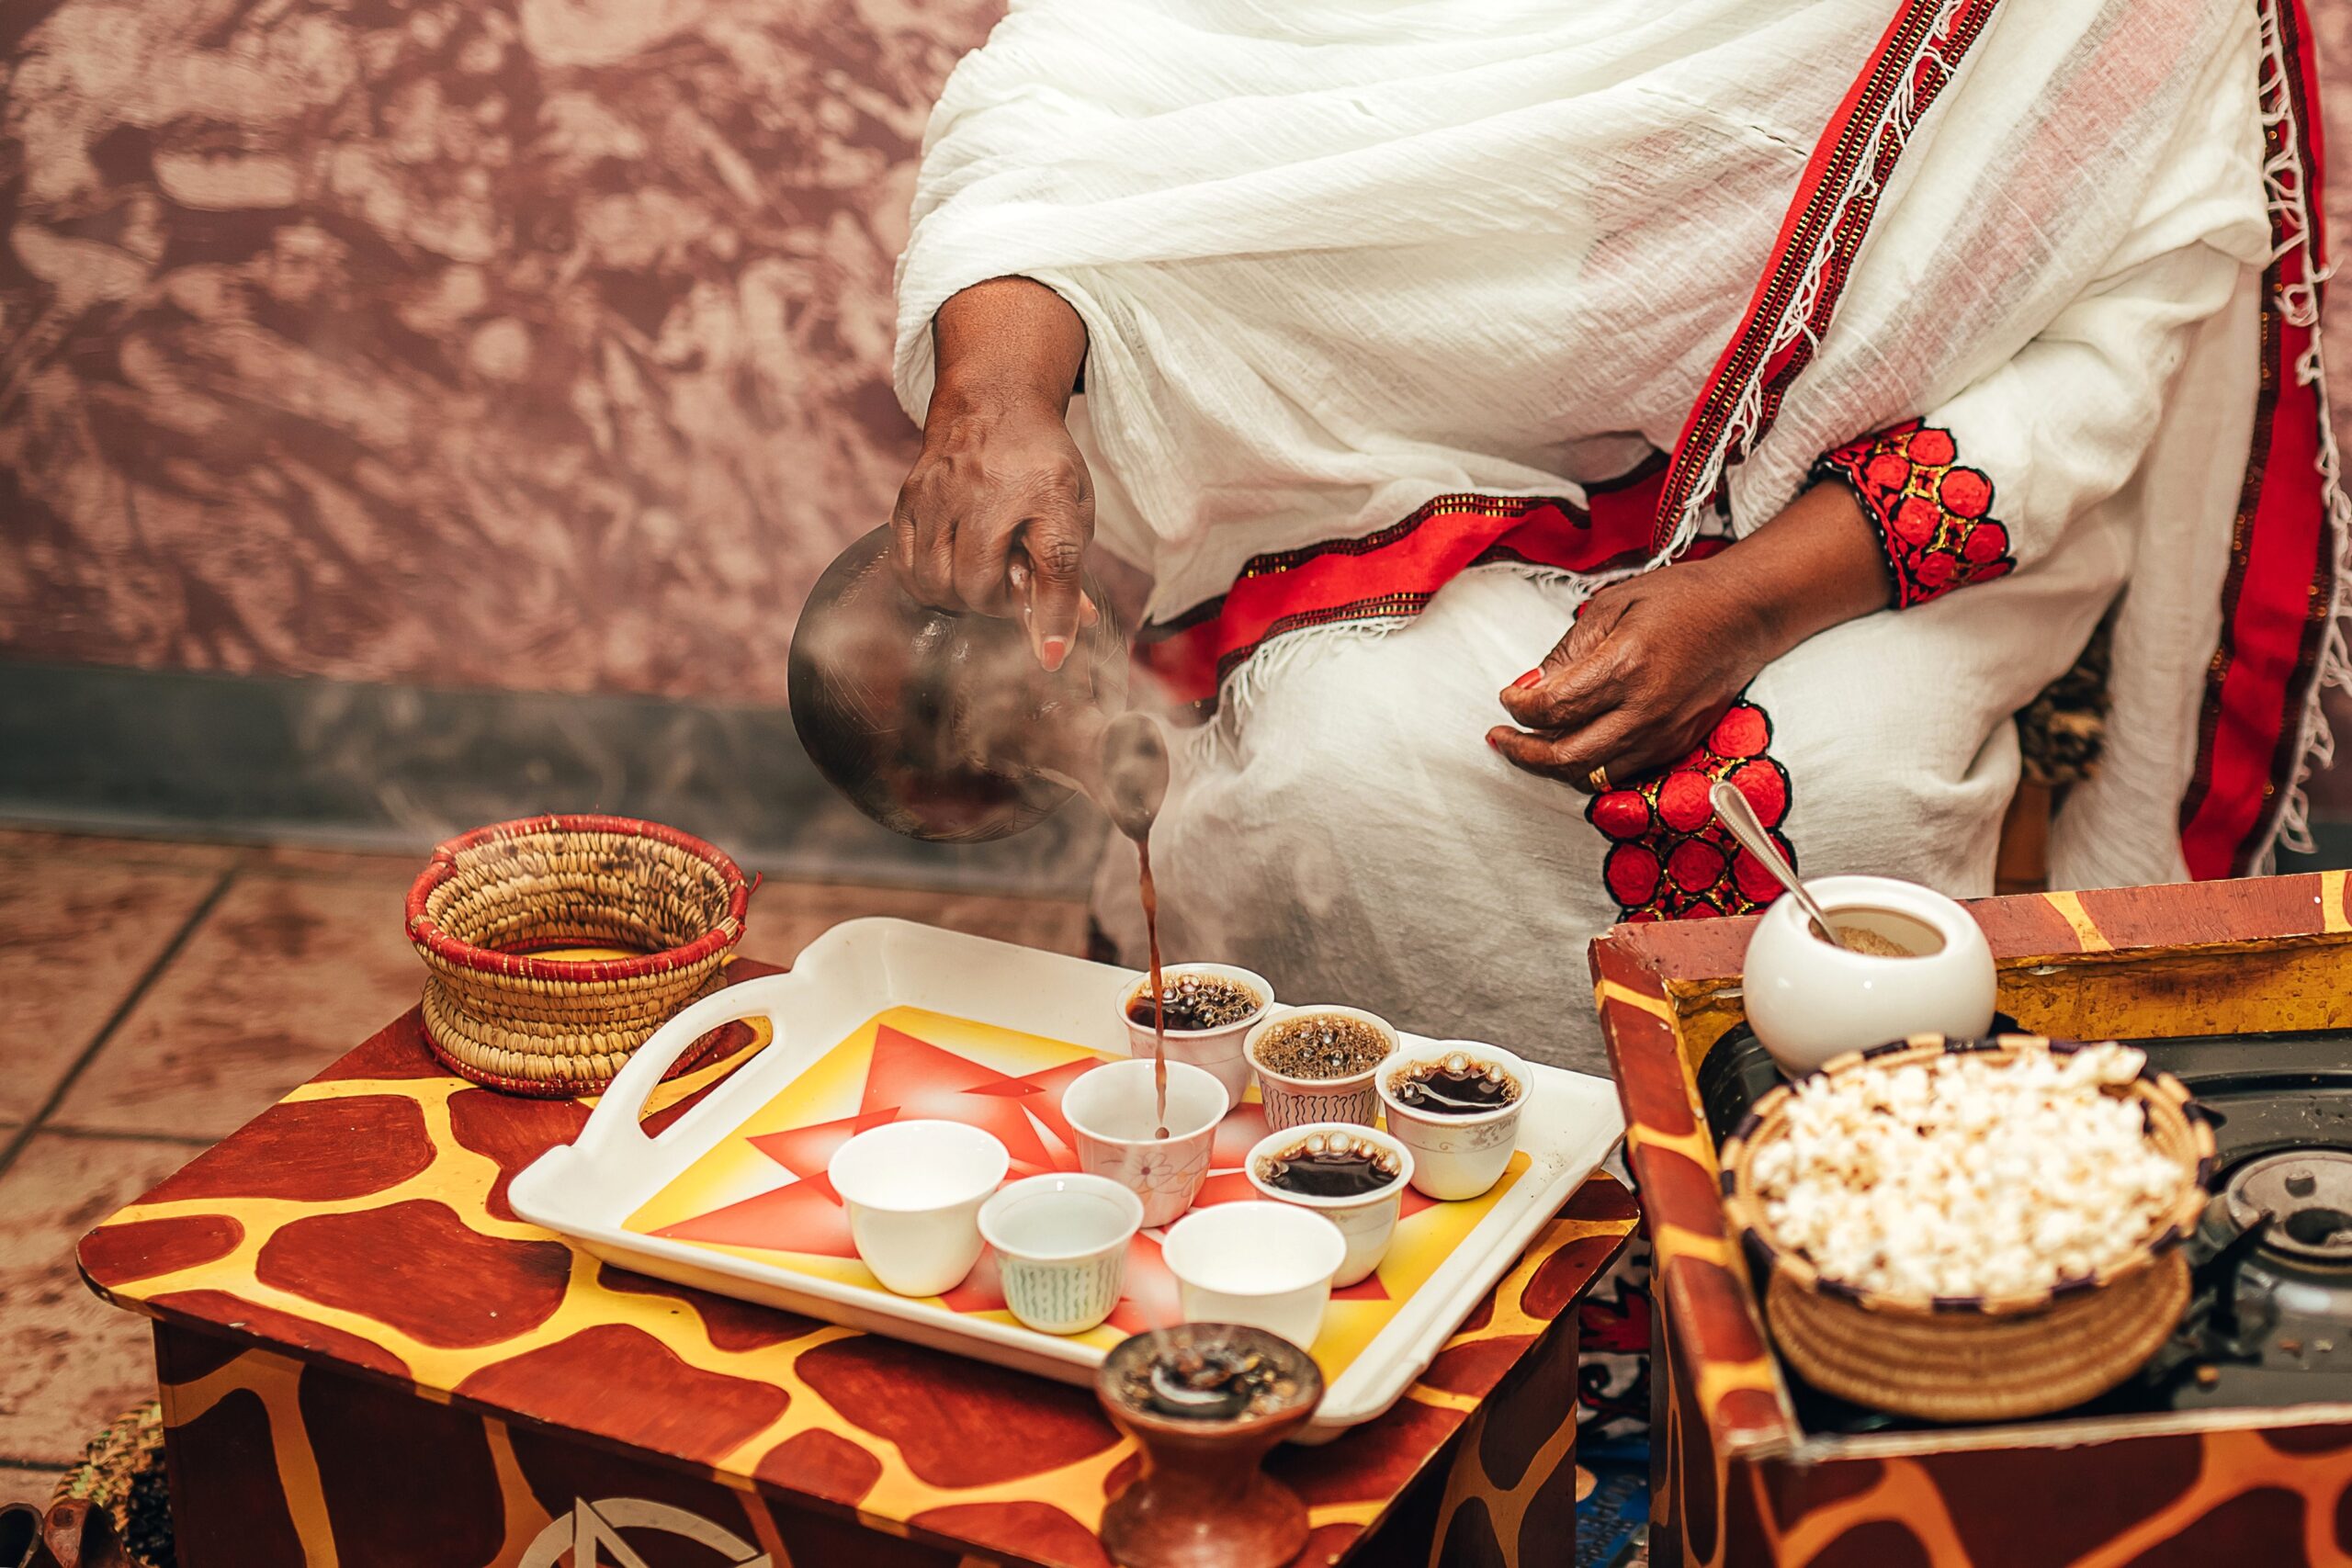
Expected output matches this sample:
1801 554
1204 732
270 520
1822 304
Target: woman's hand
1652 662
1641 678
997 514
999 492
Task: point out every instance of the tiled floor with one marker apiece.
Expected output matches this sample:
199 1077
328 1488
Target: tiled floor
154 996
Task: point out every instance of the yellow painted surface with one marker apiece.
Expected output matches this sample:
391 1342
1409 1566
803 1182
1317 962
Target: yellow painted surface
2070 910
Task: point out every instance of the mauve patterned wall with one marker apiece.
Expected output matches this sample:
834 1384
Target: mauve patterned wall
538 343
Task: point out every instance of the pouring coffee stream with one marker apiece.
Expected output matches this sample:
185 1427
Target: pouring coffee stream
945 727
1135 773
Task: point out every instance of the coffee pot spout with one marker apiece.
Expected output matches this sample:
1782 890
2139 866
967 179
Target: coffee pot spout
1130 773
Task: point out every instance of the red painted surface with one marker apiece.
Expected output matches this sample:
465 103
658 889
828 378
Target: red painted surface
144 1248
318 1150
630 1388
419 1268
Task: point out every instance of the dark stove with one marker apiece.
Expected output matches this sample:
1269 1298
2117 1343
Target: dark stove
2269 1319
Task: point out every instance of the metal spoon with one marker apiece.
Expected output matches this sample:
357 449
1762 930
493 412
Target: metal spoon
1737 814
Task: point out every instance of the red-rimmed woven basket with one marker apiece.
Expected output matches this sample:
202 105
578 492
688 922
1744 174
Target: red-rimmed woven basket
1976 1358
491 902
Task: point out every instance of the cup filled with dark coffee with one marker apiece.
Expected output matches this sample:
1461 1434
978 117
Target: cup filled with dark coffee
1352 1175
1456 1105
1205 1011
1316 1063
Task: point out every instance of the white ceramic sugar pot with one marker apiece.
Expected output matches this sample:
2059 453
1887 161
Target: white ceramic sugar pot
1918 964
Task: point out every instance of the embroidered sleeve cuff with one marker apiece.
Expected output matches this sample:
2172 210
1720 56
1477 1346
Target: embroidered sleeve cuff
1934 517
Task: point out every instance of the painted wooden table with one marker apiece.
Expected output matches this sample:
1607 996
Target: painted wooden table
366 1360
1736 1481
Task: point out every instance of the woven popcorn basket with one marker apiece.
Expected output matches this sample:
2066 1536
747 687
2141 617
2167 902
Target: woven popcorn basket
496 908
1976 1358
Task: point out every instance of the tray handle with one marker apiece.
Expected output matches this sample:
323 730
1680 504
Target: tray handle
612 1129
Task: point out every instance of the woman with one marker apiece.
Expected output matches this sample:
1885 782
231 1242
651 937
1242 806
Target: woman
1528 414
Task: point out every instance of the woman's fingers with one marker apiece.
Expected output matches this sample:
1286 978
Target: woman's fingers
1055 544
1022 582
1579 679
902 543
983 555
1571 757
986 564
1578 682
1564 700
934 563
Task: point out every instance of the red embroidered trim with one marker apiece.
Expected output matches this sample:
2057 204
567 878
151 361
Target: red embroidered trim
1394 573
1670 859
1933 516
1827 221
2280 588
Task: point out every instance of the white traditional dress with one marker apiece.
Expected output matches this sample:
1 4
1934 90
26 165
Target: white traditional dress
1409 324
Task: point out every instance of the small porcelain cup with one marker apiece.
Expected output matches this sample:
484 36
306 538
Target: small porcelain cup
1294 1102
1809 1000
1061 1247
1455 1158
1367 1221
1112 1110
1265 1266
1217 1050
913 1190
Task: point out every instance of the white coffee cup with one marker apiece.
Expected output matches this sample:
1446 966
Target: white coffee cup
1293 1101
1809 1000
1265 1266
1367 1221
1218 1050
1113 1112
1455 1156
913 1190
1061 1247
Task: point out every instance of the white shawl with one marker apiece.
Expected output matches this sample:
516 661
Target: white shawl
1186 172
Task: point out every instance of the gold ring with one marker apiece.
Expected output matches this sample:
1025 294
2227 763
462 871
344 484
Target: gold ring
1599 780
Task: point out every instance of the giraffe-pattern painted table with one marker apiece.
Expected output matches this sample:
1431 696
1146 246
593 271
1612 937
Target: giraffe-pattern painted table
365 1359
1738 1482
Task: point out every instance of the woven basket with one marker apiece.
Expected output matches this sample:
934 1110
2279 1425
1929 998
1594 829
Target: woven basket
1976 1358
494 903
121 1472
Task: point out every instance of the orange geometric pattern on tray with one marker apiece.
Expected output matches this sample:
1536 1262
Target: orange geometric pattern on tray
362 1225
762 1193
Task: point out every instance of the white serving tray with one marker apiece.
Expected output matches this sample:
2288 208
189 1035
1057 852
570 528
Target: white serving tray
588 1192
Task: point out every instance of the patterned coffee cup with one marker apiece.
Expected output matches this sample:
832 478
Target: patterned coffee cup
1060 1242
1112 1114
1292 1101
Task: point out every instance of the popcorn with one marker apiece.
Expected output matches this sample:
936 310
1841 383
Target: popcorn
1967 1176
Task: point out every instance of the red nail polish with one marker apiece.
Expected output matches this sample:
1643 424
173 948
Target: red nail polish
1492 741
1056 650
1529 678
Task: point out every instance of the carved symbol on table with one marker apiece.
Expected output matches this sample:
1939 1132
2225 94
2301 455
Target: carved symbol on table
590 1535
